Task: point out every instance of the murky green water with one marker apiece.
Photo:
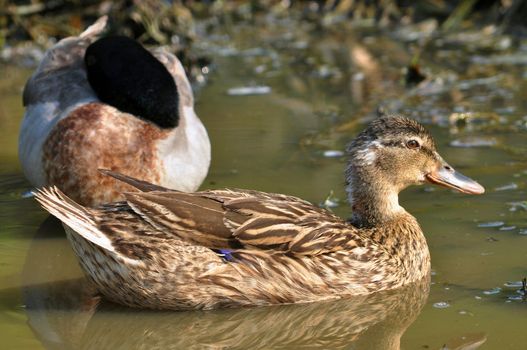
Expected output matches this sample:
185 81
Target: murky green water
275 142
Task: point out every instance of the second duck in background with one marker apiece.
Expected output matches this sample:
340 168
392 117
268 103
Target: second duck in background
110 103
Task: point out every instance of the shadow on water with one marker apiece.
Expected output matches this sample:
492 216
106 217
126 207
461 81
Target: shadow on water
67 313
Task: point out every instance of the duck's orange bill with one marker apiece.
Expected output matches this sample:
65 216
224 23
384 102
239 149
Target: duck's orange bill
446 176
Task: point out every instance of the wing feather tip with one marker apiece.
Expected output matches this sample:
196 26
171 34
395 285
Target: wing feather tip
78 218
141 185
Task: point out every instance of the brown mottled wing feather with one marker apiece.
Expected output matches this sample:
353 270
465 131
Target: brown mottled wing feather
189 216
141 185
245 219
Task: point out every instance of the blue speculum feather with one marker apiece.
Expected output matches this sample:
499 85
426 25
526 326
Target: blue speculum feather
225 253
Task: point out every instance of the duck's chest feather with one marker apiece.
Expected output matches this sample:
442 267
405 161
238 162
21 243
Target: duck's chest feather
397 254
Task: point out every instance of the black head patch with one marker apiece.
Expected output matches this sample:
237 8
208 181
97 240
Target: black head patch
128 77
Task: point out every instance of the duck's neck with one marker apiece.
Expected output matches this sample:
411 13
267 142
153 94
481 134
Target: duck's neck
375 206
373 201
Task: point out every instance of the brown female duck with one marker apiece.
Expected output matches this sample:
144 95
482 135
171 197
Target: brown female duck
164 249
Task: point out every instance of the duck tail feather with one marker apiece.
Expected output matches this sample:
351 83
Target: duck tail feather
141 185
73 215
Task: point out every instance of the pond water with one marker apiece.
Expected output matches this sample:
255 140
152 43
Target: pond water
324 86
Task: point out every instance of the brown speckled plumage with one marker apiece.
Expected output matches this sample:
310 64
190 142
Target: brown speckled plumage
95 136
165 249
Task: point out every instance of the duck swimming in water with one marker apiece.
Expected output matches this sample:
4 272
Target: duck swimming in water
164 249
109 103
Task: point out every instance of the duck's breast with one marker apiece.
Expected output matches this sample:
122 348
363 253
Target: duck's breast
97 136
185 154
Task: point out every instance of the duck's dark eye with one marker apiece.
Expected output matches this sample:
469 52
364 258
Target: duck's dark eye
412 144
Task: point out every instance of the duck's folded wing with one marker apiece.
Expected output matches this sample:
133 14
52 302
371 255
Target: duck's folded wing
245 219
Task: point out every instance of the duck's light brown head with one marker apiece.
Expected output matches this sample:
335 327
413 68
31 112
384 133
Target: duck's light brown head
391 154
